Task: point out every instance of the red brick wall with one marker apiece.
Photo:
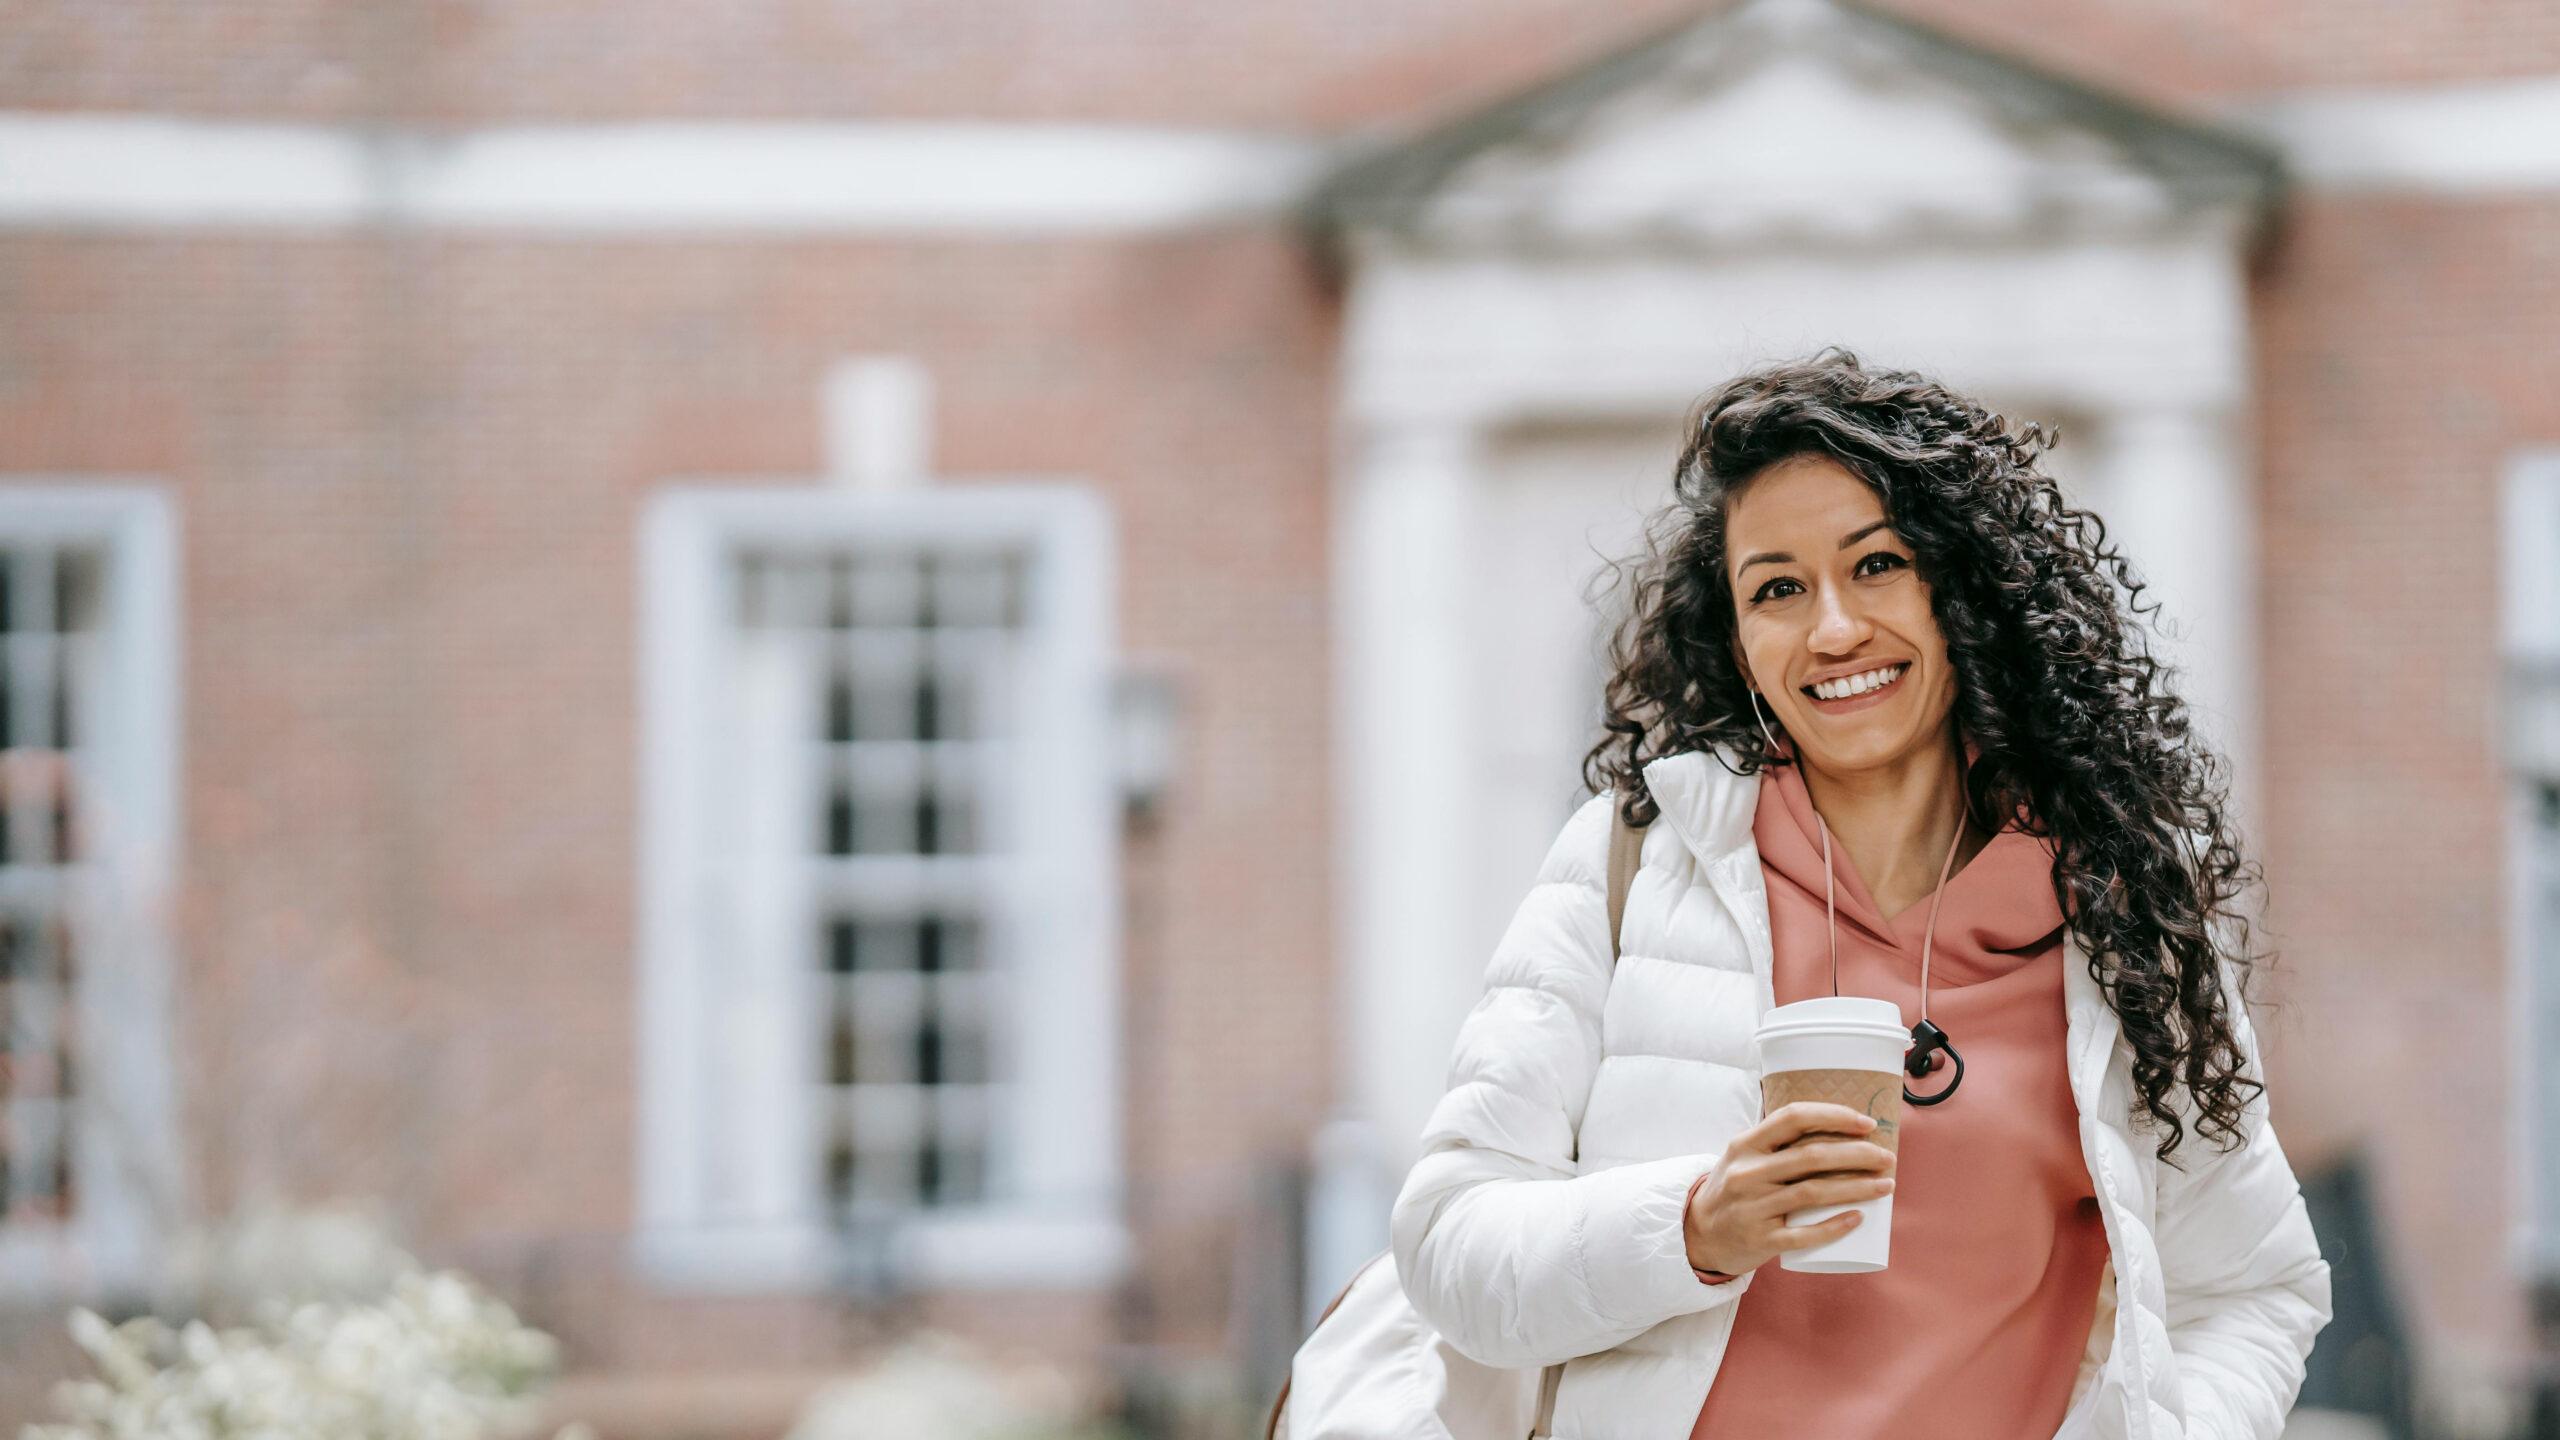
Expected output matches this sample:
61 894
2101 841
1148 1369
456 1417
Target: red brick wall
2405 348
1319 64
409 476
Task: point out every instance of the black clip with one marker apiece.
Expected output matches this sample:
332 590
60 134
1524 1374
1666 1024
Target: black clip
1926 1041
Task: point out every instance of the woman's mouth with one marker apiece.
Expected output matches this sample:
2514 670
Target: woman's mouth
1856 692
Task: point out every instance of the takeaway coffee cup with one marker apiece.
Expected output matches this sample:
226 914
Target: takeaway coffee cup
1845 1049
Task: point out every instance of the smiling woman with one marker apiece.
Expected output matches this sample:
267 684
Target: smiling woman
1835 623
1831 522
1835 636
1867 623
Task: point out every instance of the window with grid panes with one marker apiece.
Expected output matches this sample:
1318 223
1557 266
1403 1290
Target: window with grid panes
913 653
87 798
879 896
49 621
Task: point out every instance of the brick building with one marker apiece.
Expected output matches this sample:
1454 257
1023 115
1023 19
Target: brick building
788 667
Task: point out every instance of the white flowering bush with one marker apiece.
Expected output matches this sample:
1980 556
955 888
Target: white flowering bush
426 1356
935 1386
267 1255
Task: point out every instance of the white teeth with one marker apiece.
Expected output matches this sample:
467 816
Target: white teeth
1859 684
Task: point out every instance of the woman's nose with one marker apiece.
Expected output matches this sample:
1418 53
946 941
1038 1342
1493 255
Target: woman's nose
1838 626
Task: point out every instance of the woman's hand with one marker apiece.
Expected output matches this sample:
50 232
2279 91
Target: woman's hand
1801 1155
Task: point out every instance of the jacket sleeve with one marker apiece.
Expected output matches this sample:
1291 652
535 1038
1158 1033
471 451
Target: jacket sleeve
2247 1288
1502 1248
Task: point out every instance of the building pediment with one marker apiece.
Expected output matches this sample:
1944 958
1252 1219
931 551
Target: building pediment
1784 121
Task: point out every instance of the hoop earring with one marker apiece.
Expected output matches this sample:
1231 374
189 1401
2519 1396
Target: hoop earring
1757 705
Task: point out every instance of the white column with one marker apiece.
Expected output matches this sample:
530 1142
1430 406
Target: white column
1404 501
2177 493
766 1036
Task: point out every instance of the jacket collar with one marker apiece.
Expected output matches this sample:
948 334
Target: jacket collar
1710 807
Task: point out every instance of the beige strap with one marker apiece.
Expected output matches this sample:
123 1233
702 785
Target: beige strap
1626 847
1539 1428
1626 844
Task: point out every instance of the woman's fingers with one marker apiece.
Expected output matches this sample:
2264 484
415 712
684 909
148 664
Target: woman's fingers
1800 1237
1793 1121
1801 1155
1839 1190
1824 1156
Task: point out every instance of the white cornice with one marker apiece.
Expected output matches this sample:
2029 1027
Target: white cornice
139 171
78 170
2478 139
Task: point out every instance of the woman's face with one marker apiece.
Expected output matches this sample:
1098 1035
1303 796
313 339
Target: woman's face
1832 620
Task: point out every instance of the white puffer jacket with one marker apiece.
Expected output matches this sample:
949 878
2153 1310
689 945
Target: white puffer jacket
1524 1248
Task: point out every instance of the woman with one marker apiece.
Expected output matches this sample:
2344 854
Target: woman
1898 720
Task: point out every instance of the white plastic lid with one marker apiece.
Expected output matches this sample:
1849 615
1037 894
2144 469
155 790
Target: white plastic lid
1849 1015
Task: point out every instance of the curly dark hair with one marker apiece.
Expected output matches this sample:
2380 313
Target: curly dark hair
2081 739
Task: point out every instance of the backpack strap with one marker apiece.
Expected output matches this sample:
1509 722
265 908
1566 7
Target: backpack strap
1626 845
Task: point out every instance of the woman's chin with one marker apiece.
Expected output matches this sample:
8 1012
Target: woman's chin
1852 747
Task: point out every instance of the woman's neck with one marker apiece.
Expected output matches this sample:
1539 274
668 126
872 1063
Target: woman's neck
1894 823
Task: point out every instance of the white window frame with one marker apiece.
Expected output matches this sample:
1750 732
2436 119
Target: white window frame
2529 630
729 1196
126 1156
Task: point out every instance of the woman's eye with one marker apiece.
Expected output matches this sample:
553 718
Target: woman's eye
1874 562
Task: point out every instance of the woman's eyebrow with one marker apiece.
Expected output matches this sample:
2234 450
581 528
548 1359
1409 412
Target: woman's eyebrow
1781 557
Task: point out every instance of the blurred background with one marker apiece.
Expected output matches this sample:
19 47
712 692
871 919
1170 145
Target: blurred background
799 674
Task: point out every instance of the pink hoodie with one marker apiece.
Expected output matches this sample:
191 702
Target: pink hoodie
1977 1326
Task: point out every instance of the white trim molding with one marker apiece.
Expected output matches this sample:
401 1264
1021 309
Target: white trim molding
125 170
735 1002
159 171
2484 138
